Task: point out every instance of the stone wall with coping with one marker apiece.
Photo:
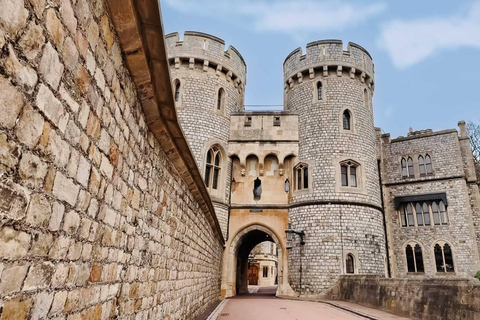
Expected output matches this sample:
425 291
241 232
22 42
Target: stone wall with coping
428 299
95 221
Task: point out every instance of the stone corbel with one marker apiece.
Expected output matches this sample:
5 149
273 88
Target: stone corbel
312 73
300 77
370 82
290 82
325 71
177 63
352 73
339 71
236 83
362 77
219 70
205 65
229 76
191 63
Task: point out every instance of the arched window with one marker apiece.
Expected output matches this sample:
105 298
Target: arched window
407 216
444 257
421 165
177 90
212 169
301 176
257 189
411 171
443 213
350 263
365 98
414 257
220 99
319 90
428 165
404 168
346 120
348 171
423 214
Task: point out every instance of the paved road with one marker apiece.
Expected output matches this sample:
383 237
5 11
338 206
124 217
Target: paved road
262 304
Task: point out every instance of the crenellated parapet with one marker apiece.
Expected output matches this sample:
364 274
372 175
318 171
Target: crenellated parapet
203 49
327 58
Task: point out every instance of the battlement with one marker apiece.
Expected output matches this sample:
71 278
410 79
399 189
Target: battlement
325 54
205 47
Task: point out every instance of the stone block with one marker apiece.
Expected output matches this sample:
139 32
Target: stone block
104 142
41 245
56 218
107 32
9 153
83 13
12 279
83 173
24 75
13 200
93 34
38 7
106 167
65 94
32 41
83 201
65 189
93 126
30 127
60 276
70 54
58 302
55 28
66 11
93 208
13 16
50 66
17 308
60 248
32 170
75 251
94 182
57 150
52 107
71 222
73 163
10 104
39 211
43 301
82 80
73 133
13 244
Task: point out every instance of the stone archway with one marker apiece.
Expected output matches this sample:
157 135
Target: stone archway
235 267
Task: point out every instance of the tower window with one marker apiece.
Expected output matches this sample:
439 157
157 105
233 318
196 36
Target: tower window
257 189
444 257
177 90
350 263
301 175
413 253
346 120
411 171
212 168
348 172
276 121
220 99
319 90
365 98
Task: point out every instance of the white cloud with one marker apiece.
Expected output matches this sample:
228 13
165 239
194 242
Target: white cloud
286 16
410 42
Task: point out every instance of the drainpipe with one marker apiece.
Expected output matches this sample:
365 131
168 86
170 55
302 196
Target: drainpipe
389 271
229 199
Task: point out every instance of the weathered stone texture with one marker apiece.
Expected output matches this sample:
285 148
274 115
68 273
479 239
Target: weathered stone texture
83 180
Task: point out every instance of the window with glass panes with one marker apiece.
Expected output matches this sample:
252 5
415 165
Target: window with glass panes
422 214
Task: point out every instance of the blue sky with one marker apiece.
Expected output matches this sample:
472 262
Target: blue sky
426 53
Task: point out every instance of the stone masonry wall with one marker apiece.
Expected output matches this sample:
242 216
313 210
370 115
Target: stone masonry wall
95 222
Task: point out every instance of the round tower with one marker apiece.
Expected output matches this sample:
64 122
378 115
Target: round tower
208 84
337 198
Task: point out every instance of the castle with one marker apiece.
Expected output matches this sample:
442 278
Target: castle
367 204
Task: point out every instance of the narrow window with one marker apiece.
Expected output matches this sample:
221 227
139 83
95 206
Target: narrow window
350 263
301 176
177 90
319 90
426 214
418 211
344 175
414 258
443 213
410 259
428 164
436 214
404 168
248 121
265 272
257 189
409 212
212 168
421 165
276 121
305 177
353 176
444 258
220 99
365 98
204 44
346 120
404 217
419 258
411 172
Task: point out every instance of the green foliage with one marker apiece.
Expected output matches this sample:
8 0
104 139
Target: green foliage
478 275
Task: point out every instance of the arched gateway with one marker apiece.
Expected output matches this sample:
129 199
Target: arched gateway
235 260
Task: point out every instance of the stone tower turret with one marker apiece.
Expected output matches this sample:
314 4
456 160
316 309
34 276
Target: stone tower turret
208 85
337 201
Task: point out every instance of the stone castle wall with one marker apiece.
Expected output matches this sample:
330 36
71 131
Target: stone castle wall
326 210
95 220
203 67
448 176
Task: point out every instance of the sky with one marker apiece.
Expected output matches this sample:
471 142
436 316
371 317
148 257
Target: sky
426 53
